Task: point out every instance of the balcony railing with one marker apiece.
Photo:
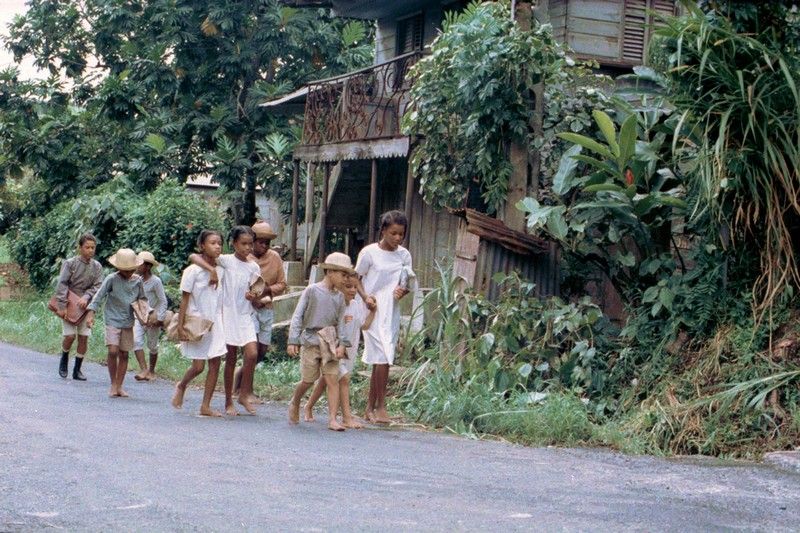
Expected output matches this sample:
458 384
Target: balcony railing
359 106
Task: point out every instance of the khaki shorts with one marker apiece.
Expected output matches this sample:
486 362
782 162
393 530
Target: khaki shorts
311 364
81 329
149 333
122 338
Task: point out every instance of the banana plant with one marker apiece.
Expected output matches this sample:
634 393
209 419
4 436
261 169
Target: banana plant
615 198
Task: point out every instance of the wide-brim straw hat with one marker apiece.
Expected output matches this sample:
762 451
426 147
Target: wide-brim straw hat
264 231
147 257
338 261
125 259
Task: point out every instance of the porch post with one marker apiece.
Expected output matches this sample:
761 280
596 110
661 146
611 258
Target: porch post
308 249
373 199
407 207
323 214
295 193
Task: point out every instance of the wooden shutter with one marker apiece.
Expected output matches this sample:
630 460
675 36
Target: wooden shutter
410 34
634 30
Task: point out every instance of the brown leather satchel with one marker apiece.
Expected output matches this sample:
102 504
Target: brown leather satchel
75 314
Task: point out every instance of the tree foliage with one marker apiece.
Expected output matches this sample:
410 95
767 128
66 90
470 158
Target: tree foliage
164 88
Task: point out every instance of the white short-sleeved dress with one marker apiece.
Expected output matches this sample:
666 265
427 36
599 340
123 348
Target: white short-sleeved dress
380 271
354 316
237 312
204 301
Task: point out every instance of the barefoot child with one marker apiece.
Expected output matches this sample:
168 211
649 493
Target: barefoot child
82 275
355 320
271 265
121 288
201 298
237 313
157 299
385 268
321 305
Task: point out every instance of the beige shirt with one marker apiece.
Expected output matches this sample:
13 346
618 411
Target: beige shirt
81 277
271 266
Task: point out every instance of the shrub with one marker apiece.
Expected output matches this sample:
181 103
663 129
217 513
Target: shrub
168 222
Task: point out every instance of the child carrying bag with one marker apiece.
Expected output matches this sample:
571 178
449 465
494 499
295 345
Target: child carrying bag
195 326
75 314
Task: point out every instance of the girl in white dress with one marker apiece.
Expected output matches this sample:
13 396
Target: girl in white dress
237 313
203 299
385 268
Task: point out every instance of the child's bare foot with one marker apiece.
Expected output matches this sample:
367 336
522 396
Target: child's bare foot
177 398
369 416
207 411
256 400
112 392
308 414
122 394
294 413
247 406
151 376
230 410
381 417
333 425
141 376
351 423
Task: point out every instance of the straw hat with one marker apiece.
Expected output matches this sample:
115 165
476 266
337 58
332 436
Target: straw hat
125 259
147 257
264 231
338 261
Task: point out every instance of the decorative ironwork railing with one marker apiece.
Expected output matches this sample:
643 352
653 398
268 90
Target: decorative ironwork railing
362 105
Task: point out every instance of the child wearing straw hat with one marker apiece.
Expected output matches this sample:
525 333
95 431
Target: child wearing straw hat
121 289
157 300
271 265
321 307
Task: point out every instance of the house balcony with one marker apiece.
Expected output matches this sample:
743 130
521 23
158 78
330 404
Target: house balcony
357 115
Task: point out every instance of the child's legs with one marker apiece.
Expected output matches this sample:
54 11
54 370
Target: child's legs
381 381
332 384
194 370
230 367
344 397
138 347
66 342
373 387
310 363
315 394
113 352
83 345
122 367
141 360
248 369
211 381
153 361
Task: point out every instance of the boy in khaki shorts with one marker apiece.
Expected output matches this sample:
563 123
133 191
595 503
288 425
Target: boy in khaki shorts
121 289
321 306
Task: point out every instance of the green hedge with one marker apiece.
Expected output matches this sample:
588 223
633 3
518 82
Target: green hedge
165 222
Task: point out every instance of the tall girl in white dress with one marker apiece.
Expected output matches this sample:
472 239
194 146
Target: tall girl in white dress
237 314
384 268
200 298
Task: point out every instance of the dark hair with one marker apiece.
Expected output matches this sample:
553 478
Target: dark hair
238 231
394 217
205 234
86 237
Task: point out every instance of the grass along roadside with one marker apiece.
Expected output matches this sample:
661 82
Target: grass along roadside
5 254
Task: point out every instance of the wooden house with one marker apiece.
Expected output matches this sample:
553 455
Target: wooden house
352 138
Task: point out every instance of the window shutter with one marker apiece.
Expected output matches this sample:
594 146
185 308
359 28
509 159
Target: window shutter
410 34
634 30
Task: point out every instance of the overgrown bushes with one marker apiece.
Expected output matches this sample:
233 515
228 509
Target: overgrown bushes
166 221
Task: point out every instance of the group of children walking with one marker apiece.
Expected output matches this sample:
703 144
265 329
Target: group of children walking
226 307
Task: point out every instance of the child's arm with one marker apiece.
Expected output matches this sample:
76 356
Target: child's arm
182 315
277 288
98 300
61 289
91 291
296 325
368 320
197 259
161 310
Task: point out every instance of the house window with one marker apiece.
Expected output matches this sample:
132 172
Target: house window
410 34
637 16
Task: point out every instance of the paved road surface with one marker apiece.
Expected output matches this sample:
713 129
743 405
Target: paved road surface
72 458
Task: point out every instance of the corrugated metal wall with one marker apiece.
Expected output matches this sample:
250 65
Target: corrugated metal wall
541 269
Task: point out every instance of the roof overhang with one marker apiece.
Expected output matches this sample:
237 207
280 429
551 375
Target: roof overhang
368 9
348 151
495 230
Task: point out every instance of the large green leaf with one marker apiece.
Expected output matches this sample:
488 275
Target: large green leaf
589 144
608 130
562 181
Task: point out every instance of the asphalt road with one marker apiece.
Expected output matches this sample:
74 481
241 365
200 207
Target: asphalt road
72 458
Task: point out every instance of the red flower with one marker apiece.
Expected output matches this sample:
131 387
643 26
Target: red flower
628 176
